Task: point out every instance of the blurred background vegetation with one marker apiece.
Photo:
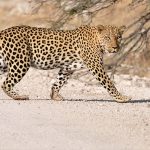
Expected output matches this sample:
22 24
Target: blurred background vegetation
134 57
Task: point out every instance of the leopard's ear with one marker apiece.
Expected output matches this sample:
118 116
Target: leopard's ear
100 28
122 29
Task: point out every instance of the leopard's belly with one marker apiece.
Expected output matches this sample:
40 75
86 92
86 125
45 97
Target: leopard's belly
50 61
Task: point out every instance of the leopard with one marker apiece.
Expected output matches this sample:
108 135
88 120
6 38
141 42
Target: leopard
23 46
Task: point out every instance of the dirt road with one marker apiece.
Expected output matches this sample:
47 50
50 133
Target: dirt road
88 119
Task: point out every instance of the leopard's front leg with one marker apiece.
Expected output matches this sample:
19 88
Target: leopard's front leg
95 66
108 84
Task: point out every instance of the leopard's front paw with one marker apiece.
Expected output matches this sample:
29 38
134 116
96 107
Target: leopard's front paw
123 99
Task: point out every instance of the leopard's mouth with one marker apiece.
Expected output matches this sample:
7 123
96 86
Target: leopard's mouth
114 50
109 50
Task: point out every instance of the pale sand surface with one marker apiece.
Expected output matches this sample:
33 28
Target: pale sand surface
88 119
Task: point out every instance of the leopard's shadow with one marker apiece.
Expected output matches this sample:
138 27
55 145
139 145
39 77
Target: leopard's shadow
88 100
110 101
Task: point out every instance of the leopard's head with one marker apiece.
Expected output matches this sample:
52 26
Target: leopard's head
110 37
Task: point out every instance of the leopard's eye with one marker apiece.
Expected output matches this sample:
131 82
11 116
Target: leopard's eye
107 38
119 37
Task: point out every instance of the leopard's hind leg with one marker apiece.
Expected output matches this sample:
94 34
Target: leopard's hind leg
62 78
15 74
18 64
3 66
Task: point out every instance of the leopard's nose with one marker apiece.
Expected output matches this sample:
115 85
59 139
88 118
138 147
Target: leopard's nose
115 47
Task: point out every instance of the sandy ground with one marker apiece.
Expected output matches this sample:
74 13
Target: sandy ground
88 118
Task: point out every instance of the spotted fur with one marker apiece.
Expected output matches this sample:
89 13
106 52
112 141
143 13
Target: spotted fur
44 48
